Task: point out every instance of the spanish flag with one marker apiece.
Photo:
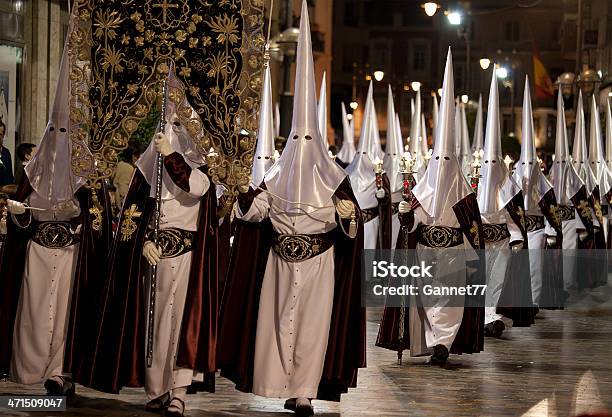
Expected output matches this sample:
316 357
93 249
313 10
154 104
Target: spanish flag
543 85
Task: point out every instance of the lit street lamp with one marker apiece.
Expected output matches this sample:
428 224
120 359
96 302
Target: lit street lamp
454 18
430 8
379 75
416 86
502 73
354 105
484 63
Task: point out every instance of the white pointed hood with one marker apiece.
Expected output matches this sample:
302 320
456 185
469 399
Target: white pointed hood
580 158
597 160
50 171
415 148
443 186
608 134
393 152
424 145
465 155
304 174
322 109
264 153
496 188
277 120
564 178
398 132
478 142
347 152
527 172
361 169
435 110
180 139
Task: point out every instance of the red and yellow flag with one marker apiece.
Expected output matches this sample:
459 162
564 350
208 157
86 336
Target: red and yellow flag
543 84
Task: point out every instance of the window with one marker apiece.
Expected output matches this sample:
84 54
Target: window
419 57
512 32
351 54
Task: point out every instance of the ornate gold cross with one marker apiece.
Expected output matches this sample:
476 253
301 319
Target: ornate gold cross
129 226
585 210
165 6
474 232
96 211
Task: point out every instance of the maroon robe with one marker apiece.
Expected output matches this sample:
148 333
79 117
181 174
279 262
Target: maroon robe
116 357
90 273
239 310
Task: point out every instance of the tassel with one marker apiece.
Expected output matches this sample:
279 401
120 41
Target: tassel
353 226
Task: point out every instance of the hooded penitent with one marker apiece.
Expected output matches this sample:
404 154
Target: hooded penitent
415 140
478 144
443 185
424 145
495 189
322 109
362 169
304 177
597 160
53 255
264 153
393 152
580 158
608 134
465 155
348 151
434 112
327 343
277 120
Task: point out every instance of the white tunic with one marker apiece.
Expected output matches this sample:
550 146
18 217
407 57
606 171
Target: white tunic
537 242
172 283
436 323
39 338
295 307
498 260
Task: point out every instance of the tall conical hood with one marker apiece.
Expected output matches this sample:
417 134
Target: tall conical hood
277 120
304 174
596 153
424 145
398 133
563 176
323 109
50 171
478 142
181 139
435 110
465 156
347 152
394 151
443 186
527 171
361 169
608 134
415 139
496 188
412 106
580 158
457 128
264 153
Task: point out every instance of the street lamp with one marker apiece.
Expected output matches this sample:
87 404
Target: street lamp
454 18
430 8
465 99
484 63
379 75
440 92
354 105
502 73
349 117
416 86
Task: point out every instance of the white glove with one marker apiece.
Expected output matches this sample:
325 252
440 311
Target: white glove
380 193
551 240
3 226
67 210
162 144
404 207
345 209
583 235
151 253
15 207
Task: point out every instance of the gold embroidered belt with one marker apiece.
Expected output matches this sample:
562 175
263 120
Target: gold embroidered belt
299 248
439 236
174 242
566 213
369 214
495 232
54 235
534 223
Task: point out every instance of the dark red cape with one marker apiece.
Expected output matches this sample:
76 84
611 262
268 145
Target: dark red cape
239 309
90 272
470 338
116 357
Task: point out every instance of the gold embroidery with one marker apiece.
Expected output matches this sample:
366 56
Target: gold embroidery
439 236
495 232
585 210
598 212
521 214
554 213
475 235
96 211
129 227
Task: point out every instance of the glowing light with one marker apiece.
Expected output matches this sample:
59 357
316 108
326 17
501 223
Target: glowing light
379 75
354 105
430 8
454 18
349 117
502 73
484 63
416 86
440 92
465 99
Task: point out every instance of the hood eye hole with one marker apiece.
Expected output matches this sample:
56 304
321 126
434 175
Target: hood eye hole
447 158
177 124
259 157
63 129
296 137
308 137
437 158
51 129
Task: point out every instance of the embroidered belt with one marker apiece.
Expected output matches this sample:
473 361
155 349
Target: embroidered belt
299 248
54 235
174 242
369 214
495 232
439 236
534 223
566 213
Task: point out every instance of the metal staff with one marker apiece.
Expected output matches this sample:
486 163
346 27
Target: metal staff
157 218
476 165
